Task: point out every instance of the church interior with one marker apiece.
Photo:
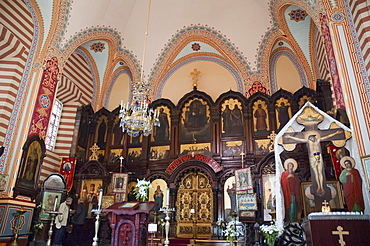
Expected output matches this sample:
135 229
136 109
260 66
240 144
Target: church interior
185 122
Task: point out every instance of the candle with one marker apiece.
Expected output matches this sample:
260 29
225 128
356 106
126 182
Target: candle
168 197
100 198
55 203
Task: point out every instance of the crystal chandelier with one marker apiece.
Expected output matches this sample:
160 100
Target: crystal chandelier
136 117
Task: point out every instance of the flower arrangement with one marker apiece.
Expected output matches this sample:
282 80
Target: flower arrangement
270 233
142 188
221 224
230 231
161 223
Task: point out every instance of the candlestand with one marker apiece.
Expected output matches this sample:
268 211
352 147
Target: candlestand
53 214
16 229
167 210
97 223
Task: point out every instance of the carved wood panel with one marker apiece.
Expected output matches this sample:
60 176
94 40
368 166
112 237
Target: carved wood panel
195 207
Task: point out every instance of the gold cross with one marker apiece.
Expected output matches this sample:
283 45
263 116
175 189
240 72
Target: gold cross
340 232
94 149
194 77
272 140
325 203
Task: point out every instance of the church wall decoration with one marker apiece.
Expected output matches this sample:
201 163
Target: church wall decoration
203 148
232 148
134 154
159 153
335 203
262 146
366 164
161 133
243 179
247 201
115 155
247 216
283 112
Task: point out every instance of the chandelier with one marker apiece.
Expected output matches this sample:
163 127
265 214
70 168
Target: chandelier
136 117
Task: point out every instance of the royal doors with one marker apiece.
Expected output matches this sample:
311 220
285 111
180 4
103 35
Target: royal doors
194 206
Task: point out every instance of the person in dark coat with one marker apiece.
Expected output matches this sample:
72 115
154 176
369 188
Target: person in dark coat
79 222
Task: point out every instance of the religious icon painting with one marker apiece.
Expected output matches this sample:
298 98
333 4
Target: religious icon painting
283 112
50 202
336 203
243 179
269 195
107 201
195 120
262 146
366 165
232 118
247 201
115 156
232 148
159 153
119 183
3 181
161 133
260 117
196 148
134 154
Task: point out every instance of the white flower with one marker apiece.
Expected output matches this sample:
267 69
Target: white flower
142 189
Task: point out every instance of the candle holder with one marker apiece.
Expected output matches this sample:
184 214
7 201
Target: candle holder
97 223
16 229
53 214
167 210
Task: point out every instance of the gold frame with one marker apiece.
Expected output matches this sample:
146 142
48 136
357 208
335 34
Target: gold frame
336 203
366 165
119 187
107 201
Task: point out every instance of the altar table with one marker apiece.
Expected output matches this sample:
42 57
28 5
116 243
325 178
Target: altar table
337 228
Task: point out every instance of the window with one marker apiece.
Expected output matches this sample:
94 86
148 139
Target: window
52 132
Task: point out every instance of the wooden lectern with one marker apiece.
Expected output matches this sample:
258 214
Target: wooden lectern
337 228
129 222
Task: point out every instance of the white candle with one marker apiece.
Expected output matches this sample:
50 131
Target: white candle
100 198
55 203
168 197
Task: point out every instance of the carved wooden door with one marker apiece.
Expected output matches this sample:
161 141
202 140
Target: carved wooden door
194 207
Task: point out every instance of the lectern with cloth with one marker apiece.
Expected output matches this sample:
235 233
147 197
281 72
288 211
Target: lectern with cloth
129 222
337 228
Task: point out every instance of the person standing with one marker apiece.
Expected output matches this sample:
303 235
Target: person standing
352 185
61 221
290 185
79 221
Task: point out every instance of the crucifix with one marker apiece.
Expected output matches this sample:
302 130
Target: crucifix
312 136
340 232
242 154
121 160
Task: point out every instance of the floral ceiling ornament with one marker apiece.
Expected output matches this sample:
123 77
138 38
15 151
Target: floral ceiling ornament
97 47
195 46
298 15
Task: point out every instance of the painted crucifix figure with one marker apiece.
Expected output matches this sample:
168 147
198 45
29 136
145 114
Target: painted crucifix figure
313 137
